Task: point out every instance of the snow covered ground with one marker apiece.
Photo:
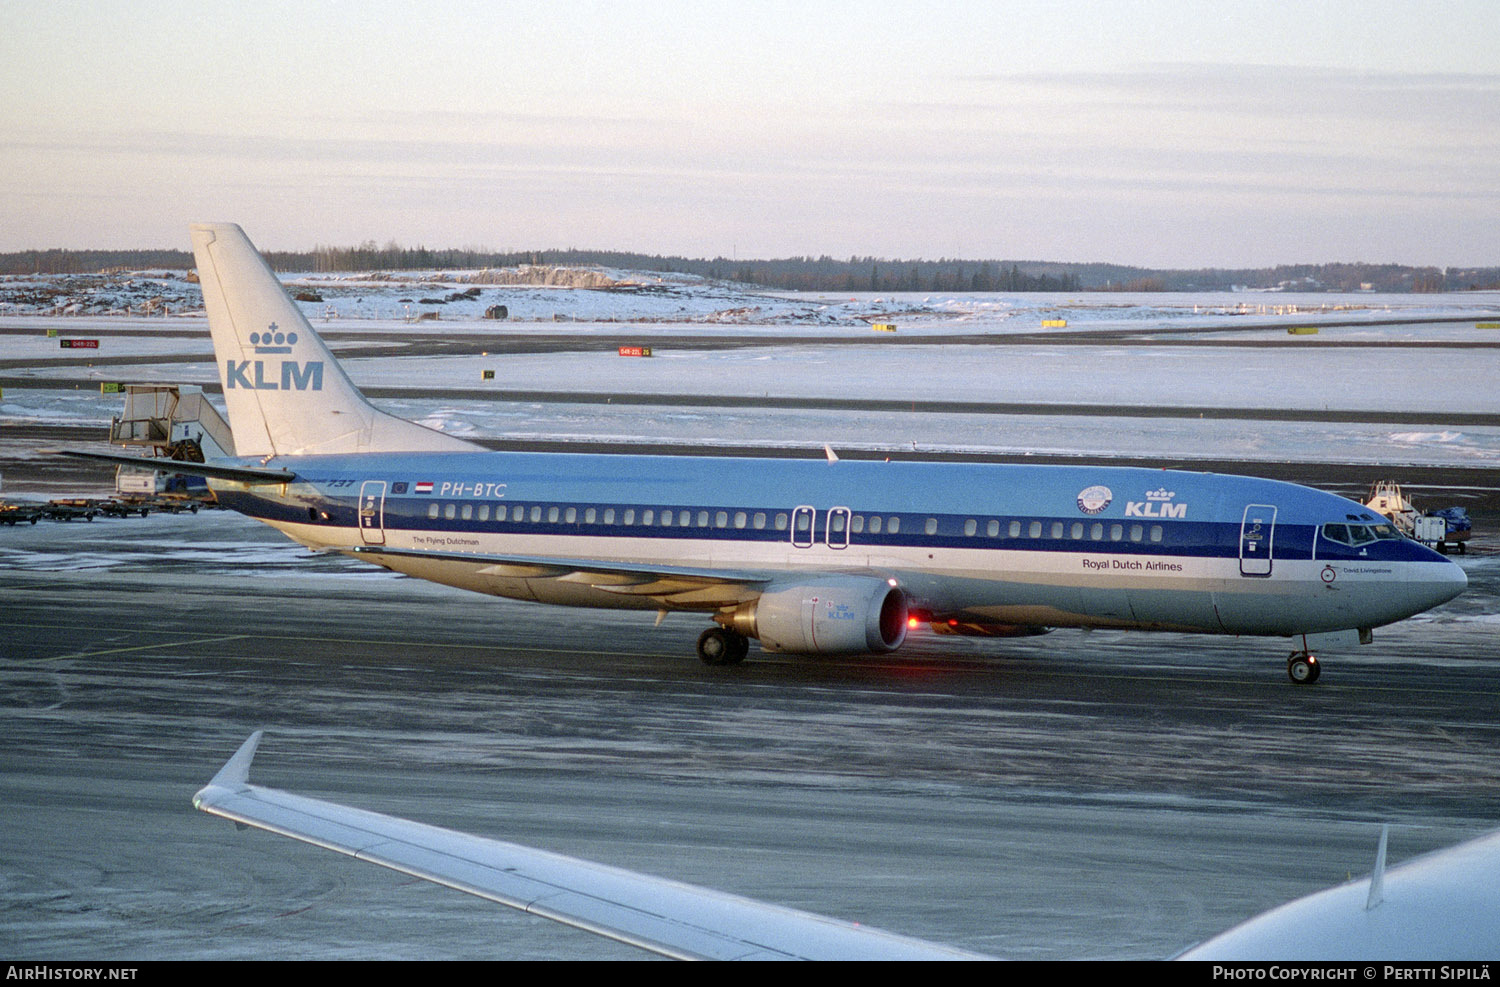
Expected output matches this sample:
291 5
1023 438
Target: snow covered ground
1411 381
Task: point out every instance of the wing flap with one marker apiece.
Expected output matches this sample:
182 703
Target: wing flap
664 916
685 586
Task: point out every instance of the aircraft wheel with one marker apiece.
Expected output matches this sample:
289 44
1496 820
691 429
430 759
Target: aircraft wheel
721 646
1303 668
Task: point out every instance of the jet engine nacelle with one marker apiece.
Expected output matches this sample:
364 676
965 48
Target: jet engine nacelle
831 616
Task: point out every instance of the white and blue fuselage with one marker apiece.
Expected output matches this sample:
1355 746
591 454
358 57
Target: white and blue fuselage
1084 546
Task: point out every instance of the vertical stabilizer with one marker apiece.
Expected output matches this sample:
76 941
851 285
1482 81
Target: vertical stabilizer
285 392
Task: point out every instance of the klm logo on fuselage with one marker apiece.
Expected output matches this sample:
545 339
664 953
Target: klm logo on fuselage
1135 508
273 375
1158 504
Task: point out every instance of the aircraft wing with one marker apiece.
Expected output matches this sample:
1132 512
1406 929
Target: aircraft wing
242 474
1441 906
684 586
667 917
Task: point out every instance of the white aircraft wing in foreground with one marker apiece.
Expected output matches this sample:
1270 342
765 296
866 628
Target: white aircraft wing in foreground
663 916
1442 906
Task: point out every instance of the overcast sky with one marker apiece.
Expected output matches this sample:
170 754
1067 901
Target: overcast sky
1160 133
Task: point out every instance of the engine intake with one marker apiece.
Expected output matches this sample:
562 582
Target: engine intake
836 615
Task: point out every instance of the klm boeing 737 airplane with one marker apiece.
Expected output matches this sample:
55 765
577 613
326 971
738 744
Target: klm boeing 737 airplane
808 557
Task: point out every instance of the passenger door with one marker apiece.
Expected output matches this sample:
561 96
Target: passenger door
1257 538
372 512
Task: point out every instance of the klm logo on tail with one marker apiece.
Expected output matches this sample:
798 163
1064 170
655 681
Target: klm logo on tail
273 375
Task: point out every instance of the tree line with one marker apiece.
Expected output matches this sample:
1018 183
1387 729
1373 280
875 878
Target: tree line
821 273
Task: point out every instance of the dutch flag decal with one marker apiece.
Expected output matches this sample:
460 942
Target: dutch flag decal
424 486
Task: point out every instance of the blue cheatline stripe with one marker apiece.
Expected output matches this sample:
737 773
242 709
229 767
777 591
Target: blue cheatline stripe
1205 539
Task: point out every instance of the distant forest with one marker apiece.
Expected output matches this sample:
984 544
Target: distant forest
808 273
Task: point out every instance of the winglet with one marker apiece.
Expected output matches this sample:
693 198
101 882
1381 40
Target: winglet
1377 877
833 457
236 771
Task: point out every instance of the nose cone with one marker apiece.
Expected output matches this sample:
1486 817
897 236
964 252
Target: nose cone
1440 581
1454 581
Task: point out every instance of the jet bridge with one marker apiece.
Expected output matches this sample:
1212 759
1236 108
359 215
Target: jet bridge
173 421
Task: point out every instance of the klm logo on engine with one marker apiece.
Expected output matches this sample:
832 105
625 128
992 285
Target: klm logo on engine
273 375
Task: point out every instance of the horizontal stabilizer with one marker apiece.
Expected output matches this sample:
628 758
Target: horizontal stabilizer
241 474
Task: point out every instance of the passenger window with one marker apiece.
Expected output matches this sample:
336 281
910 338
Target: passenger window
589 515
837 523
721 519
931 526
1155 533
1077 531
518 513
571 516
702 519
1116 532
739 519
1137 532
551 515
992 529
894 526
1015 529
1034 530
630 516
609 515
1057 529
685 518
536 514
484 512
432 510
781 522
666 519
760 521
875 521
1096 531
804 521
858 524
971 526
468 512
647 516
450 511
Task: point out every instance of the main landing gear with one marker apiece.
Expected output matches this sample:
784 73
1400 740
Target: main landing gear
722 646
1302 667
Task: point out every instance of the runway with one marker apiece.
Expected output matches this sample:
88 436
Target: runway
1074 795
1102 795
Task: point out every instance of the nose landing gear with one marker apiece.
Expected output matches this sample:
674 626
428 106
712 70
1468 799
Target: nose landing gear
1303 668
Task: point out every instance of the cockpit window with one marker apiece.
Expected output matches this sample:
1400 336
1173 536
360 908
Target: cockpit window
1359 534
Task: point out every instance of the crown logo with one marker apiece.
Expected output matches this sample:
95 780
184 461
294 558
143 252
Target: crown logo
273 340
1160 493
